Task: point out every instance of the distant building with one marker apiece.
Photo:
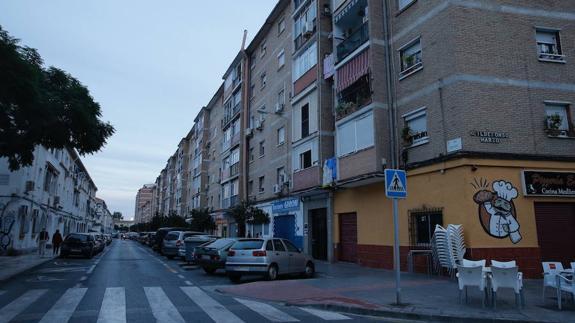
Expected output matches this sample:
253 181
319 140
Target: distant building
144 199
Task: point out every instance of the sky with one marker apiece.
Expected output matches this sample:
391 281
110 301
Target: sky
150 64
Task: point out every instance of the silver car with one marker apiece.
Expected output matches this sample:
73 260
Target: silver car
267 257
173 244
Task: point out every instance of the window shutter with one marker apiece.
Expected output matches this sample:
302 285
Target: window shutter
364 132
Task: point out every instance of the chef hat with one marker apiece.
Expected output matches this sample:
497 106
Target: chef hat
505 190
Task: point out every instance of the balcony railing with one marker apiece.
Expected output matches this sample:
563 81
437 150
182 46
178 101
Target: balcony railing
353 42
230 201
230 116
234 169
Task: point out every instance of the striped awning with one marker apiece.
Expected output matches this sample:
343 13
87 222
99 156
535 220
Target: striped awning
353 70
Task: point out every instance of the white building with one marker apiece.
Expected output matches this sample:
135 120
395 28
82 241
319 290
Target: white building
103 222
55 193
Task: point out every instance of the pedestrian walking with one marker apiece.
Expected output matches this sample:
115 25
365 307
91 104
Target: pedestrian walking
42 239
56 241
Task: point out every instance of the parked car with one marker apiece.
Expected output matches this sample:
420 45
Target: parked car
267 257
212 256
195 241
159 238
82 244
151 239
173 244
100 244
108 239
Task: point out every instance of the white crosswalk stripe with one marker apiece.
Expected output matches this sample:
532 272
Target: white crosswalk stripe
269 312
325 315
11 310
113 308
215 310
162 307
63 309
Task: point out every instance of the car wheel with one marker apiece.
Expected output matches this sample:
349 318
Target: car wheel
309 270
209 270
272 272
235 278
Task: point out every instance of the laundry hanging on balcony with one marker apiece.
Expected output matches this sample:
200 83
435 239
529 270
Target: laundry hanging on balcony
353 70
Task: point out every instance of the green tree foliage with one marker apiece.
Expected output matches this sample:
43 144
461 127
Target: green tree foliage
246 212
43 106
117 215
202 220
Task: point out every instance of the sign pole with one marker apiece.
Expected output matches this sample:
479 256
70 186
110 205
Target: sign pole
396 253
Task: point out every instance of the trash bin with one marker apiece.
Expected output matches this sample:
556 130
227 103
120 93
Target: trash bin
193 242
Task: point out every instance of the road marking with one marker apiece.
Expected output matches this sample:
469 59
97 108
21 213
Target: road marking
188 282
269 312
162 307
325 315
10 311
63 309
91 269
113 308
215 310
181 276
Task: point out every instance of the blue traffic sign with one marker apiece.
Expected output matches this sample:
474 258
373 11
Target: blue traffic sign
395 183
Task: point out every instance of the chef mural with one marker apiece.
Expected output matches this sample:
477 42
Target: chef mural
497 212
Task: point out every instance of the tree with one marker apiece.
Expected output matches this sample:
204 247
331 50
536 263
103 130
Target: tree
202 220
246 212
117 215
40 106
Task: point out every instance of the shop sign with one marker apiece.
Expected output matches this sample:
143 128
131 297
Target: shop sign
286 205
489 137
536 183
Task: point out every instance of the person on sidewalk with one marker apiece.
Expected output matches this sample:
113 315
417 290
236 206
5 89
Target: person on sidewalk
56 241
43 238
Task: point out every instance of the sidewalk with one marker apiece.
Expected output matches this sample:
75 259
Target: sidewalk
351 288
12 266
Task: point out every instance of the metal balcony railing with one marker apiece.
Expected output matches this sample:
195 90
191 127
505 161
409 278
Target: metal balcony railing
351 43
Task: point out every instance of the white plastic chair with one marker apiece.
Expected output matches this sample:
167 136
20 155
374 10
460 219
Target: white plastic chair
550 270
473 263
564 284
504 264
507 278
471 276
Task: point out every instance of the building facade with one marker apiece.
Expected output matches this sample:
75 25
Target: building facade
144 198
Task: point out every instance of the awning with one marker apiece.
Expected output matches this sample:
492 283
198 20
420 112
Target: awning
353 70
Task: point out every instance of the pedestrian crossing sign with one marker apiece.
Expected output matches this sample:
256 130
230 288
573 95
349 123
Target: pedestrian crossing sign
395 184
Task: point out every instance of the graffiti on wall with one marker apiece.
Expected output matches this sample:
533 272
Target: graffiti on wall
497 212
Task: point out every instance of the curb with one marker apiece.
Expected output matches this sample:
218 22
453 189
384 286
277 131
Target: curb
25 269
390 313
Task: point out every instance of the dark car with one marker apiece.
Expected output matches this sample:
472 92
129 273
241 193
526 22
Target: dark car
82 244
160 235
191 243
173 244
99 243
151 239
212 256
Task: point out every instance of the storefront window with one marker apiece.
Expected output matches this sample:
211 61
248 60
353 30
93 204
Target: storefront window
422 225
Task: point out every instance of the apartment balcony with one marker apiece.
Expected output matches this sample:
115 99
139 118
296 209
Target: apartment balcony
234 169
357 38
354 97
236 139
306 178
230 202
231 115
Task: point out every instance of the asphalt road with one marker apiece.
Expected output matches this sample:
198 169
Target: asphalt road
129 283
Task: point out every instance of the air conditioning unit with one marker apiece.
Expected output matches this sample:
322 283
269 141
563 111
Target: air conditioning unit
249 132
279 107
307 30
277 189
259 124
30 186
56 201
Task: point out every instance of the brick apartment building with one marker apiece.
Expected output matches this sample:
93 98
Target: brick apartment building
472 98
143 207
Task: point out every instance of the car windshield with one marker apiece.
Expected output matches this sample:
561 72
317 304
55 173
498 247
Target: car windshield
220 243
77 238
248 244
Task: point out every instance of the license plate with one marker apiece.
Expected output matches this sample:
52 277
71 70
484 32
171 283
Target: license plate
76 250
206 257
242 269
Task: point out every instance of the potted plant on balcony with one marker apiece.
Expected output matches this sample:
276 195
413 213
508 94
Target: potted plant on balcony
553 125
344 108
407 136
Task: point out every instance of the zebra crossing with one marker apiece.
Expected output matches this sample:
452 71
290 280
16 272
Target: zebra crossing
161 306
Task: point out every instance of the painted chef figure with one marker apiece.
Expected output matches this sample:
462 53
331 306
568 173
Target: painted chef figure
497 211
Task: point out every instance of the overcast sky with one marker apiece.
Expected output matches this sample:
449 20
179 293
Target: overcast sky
150 64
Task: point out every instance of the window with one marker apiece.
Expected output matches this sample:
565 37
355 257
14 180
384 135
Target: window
410 56
253 61
50 180
269 246
262 148
281 26
304 62
263 48
355 135
251 154
250 187
290 247
263 80
405 3
304 25
557 115
415 130
305 121
278 245
281 59
280 175
261 188
305 160
549 45
281 97
422 225
281 136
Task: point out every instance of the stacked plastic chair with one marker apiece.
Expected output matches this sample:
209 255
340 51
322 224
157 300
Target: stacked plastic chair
457 242
448 247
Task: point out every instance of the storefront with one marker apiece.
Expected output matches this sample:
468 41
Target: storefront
286 221
510 210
